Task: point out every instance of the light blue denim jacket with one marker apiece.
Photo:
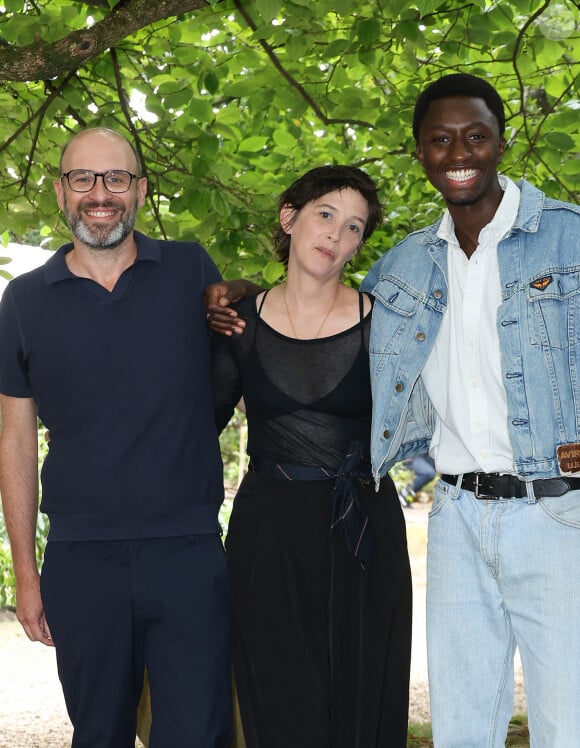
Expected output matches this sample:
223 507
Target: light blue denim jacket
538 323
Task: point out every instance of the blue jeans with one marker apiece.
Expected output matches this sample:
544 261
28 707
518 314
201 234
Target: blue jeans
502 574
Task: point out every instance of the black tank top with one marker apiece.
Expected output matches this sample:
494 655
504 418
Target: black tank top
306 400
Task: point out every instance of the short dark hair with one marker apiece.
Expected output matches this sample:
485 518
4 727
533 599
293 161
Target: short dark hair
320 181
459 84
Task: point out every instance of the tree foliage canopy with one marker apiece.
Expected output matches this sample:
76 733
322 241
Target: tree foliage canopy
228 101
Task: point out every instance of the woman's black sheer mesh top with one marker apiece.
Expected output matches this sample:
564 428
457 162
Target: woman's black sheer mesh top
306 400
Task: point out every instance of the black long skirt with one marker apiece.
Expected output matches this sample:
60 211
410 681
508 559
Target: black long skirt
322 647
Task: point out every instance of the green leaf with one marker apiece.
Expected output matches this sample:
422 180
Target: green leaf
507 38
571 167
211 82
166 84
176 99
220 203
228 250
253 144
185 54
268 9
336 48
406 30
273 271
427 6
208 146
200 109
22 31
560 140
199 166
296 47
239 87
12 6
223 170
369 31
283 138
367 57
262 99
201 204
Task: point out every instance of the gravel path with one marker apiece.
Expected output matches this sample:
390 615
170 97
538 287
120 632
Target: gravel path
32 712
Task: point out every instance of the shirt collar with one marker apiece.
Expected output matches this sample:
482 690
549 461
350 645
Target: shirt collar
56 269
500 224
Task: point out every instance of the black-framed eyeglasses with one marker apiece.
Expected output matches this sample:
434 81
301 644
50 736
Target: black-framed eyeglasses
83 180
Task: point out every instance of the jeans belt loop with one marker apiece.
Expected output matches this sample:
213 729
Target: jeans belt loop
531 492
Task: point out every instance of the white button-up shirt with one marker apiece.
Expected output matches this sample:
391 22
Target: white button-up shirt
463 374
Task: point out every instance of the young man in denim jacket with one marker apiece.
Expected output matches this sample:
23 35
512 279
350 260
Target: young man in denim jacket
475 355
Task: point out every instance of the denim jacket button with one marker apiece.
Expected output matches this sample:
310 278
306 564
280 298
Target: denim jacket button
399 387
420 336
437 294
387 434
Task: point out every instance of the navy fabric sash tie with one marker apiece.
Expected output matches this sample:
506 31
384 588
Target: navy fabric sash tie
349 519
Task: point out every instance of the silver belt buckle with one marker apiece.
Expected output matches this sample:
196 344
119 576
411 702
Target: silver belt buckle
477 488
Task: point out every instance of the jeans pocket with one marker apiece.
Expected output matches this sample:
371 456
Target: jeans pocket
564 509
440 497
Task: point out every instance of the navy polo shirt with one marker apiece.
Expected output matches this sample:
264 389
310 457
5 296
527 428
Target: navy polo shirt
121 380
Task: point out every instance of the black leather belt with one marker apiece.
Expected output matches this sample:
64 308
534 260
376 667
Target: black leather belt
497 486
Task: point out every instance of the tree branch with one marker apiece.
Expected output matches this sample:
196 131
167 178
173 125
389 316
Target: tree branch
292 81
42 60
36 114
131 127
519 43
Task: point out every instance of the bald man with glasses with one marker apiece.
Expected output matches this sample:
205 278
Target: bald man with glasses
107 345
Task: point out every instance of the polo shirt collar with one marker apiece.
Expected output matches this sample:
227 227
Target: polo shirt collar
56 269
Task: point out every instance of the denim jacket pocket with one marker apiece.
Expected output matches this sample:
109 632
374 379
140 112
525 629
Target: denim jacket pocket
554 309
399 306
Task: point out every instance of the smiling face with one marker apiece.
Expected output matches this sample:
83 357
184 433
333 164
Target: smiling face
460 148
327 232
100 219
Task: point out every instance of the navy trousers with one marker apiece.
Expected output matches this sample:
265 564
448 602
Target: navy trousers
116 607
